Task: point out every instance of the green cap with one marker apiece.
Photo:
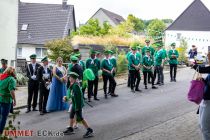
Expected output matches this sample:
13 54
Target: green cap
158 45
44 59
138 47
73 75
147 41
73 58
173 44
77 55
92 52
4 61
134 48
97 52
108 52
33 56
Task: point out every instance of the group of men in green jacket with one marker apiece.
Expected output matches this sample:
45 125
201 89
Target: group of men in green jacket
151 62
107 65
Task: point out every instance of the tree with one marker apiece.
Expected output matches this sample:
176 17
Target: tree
59 48
93 28
182 51
156 27
138 23
167 20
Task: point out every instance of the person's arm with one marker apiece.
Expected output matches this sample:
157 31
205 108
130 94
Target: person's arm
87 64
103 67
28 74
169 54
12 87
202 69
55 75
78 97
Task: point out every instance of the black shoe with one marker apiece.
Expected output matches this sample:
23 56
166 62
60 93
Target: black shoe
68 131
35 109
89 133
145 87
138 90
158 83
154 87
149 82
96 99
89 100
28 110
105 96
174 80
171 80
41 113
114 95
132 90
45 111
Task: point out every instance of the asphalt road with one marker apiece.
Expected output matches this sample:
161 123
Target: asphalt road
128 114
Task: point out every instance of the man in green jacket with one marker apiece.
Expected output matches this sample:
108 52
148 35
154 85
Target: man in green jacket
108 74
173 61
4 65
134 69
148 64
76 96
94 64
159 63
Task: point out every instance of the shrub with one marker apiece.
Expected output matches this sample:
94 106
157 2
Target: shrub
122 63
21 79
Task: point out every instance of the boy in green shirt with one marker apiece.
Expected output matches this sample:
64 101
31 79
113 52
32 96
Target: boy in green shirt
148 63
173 56
76 95
107 74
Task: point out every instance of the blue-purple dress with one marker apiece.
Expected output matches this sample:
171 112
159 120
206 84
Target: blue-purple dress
57 91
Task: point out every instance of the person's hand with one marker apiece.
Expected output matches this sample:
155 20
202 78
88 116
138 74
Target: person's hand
161 65
14 102
64 98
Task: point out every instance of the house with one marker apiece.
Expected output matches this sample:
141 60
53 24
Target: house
104 15
193 25
8 29
39 23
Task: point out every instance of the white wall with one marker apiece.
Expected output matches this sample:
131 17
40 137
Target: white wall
102 18
8 29
202 42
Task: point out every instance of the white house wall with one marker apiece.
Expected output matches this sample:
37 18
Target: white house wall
8 29
103 18
201 39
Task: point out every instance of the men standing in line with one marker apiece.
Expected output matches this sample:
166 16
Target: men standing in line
4 65
107 73
173 56
94 64
33 84
159 63
134 69
44 77
148 63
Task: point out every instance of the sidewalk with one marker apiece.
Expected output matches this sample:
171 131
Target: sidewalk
22 93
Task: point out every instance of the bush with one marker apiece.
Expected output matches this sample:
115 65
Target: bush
21 79
122 63
182 51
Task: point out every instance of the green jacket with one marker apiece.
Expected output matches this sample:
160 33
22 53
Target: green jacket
82 64
147 62
152 50
139 56
69 67
94 65
114 62
173 60
159 56
6 86
133 59
106 64
76 95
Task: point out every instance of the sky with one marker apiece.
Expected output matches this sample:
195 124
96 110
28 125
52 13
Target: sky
144 9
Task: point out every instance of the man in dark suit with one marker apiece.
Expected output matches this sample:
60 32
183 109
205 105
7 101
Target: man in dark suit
44 77
33 84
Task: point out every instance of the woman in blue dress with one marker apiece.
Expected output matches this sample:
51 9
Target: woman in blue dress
58 88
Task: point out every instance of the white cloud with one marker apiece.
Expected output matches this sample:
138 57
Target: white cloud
145 9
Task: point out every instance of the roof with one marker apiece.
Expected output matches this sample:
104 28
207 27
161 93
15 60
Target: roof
44 22
117 19
195 18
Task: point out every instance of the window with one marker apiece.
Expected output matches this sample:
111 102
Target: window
19 52
178 36
41 52
24 27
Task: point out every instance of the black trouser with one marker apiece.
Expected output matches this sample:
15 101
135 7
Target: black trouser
112 84
129 80
159 71
173 68
90 88
148 74
134 74
149 79
33 88
43 97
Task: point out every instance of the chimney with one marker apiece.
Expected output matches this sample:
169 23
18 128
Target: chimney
64 4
